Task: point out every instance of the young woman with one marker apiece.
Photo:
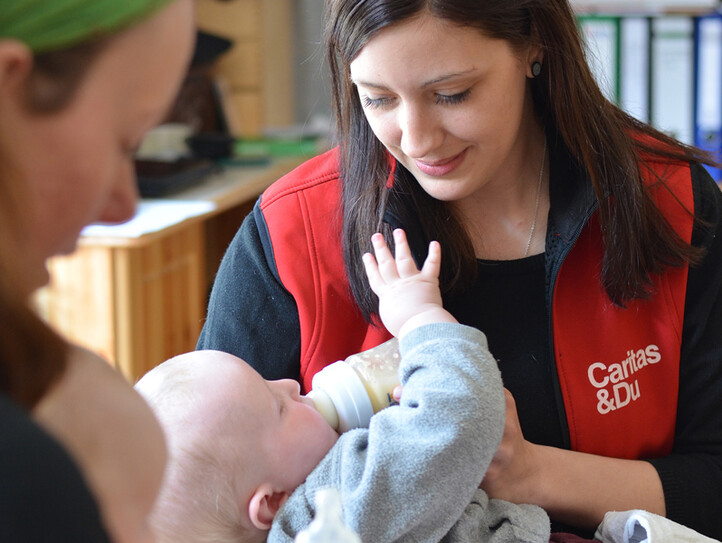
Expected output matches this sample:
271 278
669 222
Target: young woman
81 81
583 243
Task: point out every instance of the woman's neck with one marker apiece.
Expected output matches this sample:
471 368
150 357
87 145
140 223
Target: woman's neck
507 218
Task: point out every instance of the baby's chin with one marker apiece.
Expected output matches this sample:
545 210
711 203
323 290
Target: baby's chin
334 437
331 436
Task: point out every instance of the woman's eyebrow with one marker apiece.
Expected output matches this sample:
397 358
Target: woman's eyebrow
446 77
440 79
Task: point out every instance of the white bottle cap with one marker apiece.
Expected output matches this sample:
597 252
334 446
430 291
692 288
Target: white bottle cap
347 392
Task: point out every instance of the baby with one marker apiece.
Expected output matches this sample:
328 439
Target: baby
113 437
247 455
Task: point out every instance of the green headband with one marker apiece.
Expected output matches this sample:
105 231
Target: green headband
46 25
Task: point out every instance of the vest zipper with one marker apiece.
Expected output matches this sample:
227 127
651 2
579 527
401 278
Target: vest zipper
559 262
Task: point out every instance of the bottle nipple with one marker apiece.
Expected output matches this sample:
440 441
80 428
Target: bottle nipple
324 405
327 525
339 394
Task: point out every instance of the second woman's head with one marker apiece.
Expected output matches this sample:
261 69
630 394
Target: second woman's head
449 85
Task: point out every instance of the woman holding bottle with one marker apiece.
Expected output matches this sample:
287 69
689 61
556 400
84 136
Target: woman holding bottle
583 243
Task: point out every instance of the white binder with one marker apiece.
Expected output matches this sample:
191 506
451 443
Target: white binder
634 67
672 76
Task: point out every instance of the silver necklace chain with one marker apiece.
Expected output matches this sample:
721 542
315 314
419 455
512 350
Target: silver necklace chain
536 205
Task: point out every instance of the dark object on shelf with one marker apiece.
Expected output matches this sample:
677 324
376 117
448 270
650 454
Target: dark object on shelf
197 102
209 47
157 178
211 144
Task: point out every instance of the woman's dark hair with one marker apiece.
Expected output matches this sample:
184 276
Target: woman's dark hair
638 240
32 355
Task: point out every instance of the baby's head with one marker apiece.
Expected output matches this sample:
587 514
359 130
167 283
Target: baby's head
238 446
114 438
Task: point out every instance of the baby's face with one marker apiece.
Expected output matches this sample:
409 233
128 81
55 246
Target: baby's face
296 437
285 432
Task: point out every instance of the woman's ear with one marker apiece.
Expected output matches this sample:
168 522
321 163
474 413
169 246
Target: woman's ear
265 503
16 63
535 55
534 52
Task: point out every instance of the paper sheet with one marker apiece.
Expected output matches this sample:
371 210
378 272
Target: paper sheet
152 216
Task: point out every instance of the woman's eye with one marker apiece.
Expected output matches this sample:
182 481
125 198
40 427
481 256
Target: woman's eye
371 103
451 99
442 99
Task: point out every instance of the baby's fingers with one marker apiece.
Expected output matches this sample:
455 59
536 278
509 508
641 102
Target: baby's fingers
432 264
405 264
376 282
384 259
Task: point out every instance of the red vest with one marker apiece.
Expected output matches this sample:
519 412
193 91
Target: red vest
618 368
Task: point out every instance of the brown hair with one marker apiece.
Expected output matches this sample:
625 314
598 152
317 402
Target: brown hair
32 355
638 240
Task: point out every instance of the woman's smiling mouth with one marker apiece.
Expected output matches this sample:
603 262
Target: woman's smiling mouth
442 167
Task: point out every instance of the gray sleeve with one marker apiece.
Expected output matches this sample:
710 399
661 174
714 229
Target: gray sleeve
498 521
411 475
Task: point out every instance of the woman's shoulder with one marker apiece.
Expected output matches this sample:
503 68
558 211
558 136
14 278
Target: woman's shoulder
320 171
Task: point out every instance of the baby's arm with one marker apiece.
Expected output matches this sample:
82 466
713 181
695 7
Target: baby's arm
408 298
418 465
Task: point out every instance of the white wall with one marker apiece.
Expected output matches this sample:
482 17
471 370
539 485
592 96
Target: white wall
313 98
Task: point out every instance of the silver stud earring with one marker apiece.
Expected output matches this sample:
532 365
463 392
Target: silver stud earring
536 68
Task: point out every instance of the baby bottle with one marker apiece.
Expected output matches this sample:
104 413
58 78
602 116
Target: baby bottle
327 526
348 392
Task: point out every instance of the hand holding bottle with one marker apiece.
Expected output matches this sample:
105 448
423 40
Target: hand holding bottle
408 297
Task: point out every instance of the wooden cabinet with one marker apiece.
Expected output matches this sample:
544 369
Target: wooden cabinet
139 297
135 303
255 76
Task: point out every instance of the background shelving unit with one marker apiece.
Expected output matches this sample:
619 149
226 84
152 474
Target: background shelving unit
645 6
257 72
660 61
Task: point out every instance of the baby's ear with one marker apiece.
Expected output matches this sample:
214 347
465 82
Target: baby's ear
265 503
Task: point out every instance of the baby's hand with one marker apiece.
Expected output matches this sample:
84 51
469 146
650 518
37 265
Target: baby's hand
407 297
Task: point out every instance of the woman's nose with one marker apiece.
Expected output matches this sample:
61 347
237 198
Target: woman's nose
419 132
122 200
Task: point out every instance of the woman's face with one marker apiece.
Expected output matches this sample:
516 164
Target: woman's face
78 162
451 104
